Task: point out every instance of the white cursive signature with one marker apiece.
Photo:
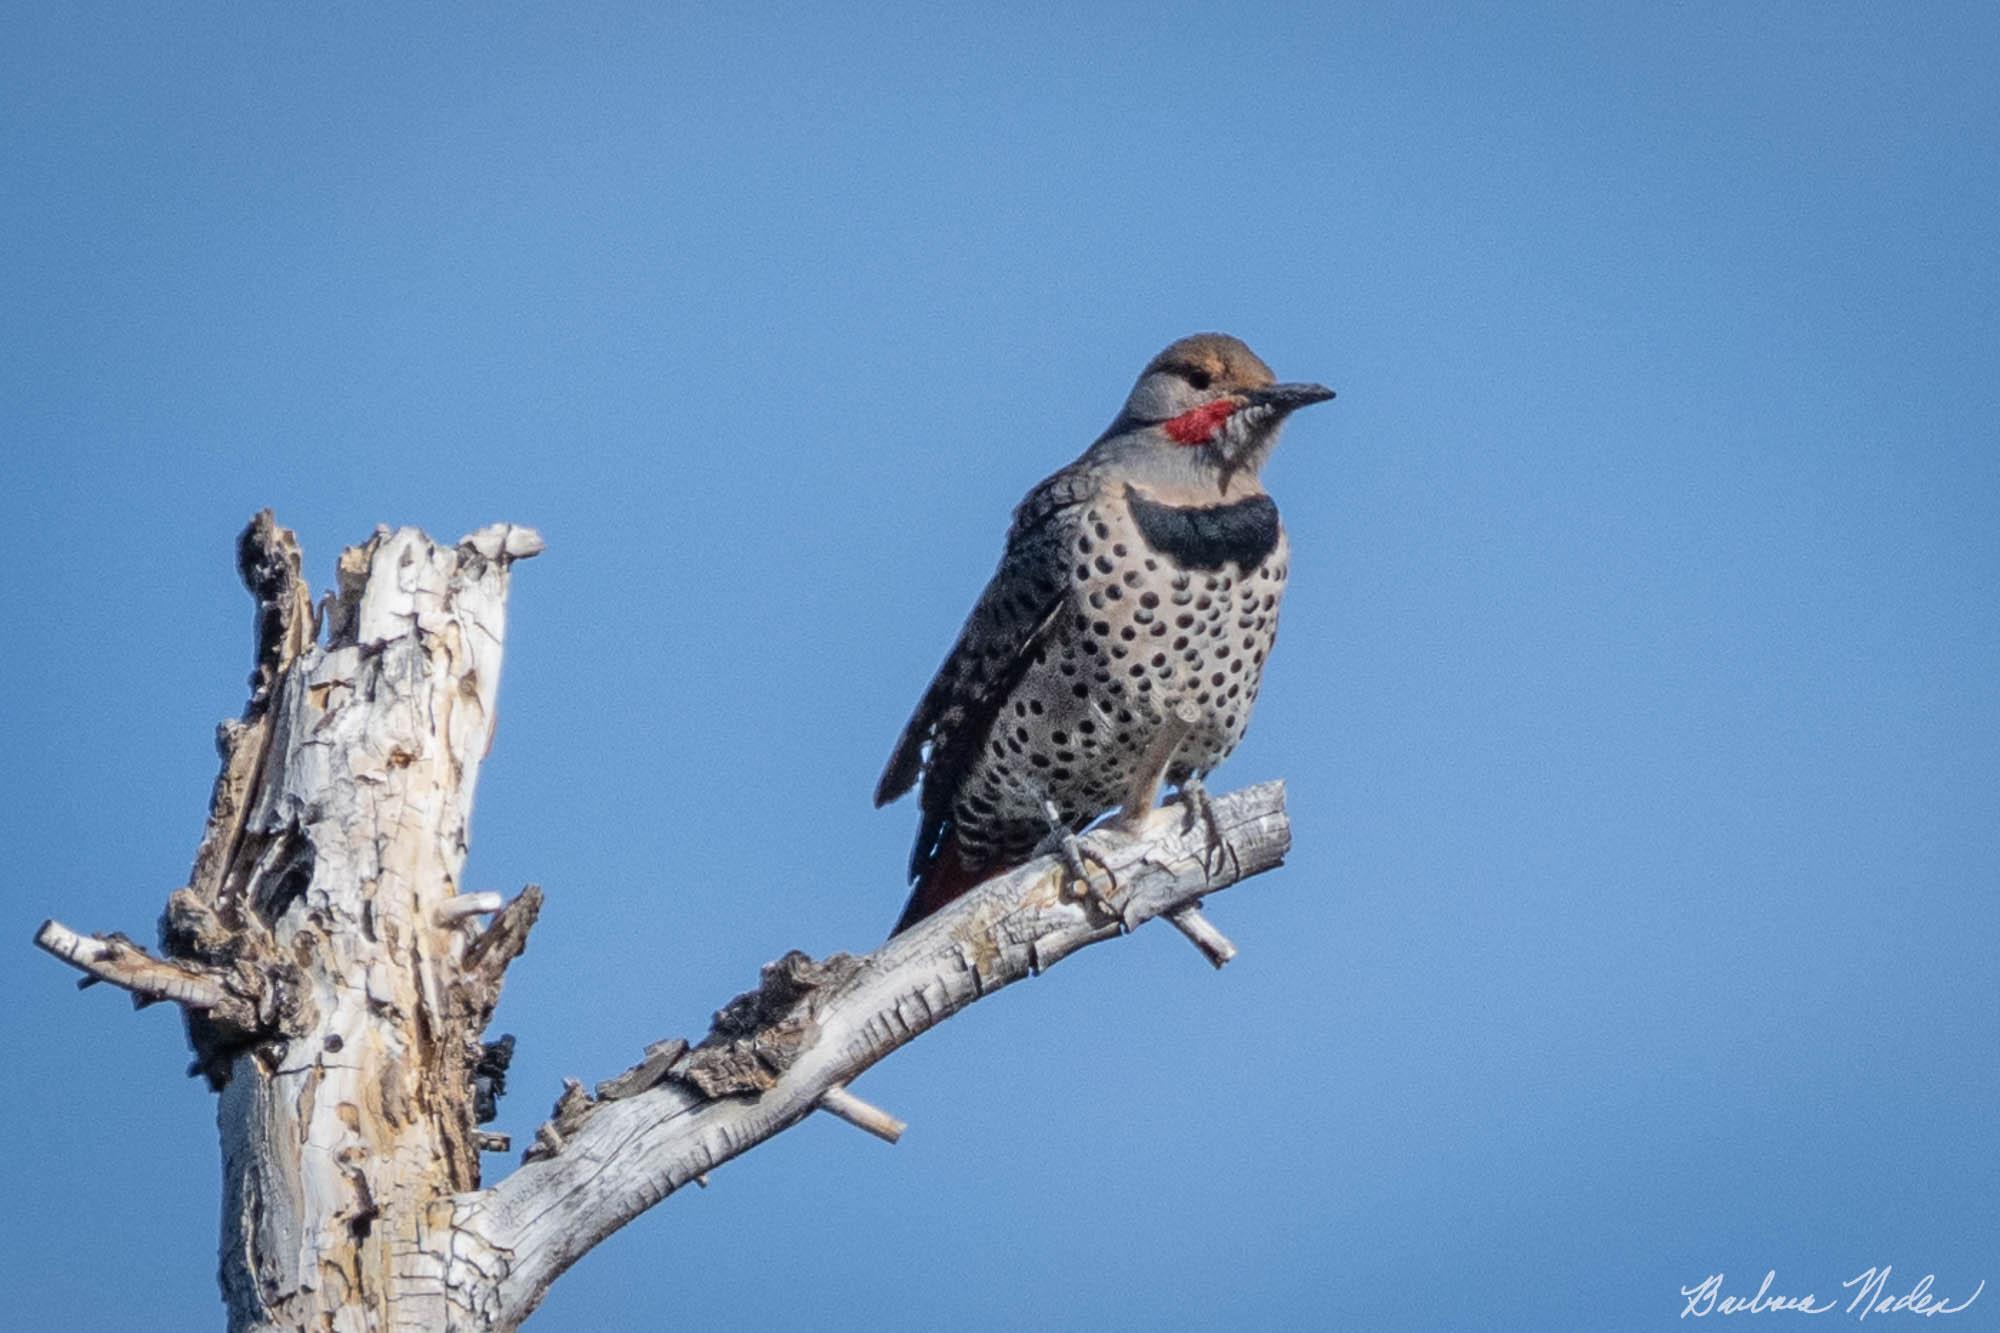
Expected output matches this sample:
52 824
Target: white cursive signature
1871 1296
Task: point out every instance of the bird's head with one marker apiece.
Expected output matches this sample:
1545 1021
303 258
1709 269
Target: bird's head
1206 407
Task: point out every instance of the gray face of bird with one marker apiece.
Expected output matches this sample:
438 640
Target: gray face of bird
1204 411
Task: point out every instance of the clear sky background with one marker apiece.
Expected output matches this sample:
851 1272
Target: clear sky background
1638 690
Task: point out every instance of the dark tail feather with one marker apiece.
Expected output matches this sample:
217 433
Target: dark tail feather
944 879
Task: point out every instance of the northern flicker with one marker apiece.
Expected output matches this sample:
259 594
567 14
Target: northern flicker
1144 576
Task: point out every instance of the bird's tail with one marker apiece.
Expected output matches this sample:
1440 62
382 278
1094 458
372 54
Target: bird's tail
945 878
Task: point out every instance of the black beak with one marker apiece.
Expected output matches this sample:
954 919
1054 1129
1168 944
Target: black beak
1284 398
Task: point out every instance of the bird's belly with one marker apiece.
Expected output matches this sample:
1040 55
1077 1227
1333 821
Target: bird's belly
1138 638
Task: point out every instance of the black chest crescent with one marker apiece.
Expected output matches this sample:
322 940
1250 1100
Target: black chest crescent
1208 537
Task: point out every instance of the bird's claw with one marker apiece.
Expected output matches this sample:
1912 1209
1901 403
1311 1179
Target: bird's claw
1200 809
1078 882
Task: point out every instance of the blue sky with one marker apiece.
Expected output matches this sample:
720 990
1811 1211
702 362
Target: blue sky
1637 688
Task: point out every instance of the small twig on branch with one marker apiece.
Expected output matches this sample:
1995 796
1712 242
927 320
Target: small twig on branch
862 1115
466 906
1201 932
129 967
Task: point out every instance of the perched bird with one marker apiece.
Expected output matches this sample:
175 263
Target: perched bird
1144 576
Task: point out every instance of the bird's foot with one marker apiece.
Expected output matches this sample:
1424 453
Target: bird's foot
1078 883
1200 809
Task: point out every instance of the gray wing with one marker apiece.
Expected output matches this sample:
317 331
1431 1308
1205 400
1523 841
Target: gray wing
994 649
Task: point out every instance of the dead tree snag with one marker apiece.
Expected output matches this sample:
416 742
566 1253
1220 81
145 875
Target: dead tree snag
337 979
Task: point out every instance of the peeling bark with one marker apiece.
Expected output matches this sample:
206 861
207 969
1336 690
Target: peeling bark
336 982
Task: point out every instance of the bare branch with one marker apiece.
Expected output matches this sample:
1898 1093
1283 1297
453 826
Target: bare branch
129 967
466 906
812 1027
1201 932
862 1115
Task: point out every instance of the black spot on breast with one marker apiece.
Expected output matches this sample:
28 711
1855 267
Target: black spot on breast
1211 536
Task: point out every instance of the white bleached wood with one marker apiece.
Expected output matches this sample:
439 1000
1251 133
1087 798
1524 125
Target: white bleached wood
318 953
467 905
129 967
1201 932
340 1149
862 1115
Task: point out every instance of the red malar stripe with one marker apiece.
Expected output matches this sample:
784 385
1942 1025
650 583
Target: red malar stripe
1199 426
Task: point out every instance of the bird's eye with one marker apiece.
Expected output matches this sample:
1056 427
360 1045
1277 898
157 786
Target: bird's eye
1198 378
